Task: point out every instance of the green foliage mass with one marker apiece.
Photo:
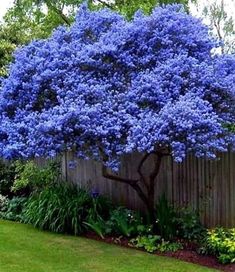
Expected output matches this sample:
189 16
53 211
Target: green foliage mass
7 177
153 243
32 177
221 243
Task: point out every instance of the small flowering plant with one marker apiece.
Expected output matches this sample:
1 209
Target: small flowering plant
95 193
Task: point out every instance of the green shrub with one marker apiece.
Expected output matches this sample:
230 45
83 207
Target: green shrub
98 225
221 243
182 222
7 176
188 224
14 209
3 202
153 243
167 246
31 177
148 242
126 222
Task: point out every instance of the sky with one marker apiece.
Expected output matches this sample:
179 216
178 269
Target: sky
4 5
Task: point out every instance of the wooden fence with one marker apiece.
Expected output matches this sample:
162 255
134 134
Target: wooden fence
208 186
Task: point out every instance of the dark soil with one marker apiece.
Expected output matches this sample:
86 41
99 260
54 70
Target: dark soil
187 254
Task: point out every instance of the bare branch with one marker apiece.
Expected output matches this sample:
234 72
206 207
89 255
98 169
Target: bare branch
105 4
59 12
139 170
132 182
107 175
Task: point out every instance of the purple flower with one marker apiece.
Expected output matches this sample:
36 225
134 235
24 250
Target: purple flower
108 87
95 193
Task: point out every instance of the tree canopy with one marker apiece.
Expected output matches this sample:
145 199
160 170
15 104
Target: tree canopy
106 87
28 20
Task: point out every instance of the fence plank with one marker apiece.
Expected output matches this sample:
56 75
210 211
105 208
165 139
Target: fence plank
208 186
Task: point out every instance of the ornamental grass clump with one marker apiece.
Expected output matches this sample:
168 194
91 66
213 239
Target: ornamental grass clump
61 208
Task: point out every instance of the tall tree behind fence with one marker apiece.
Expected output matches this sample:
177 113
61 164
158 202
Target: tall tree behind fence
208 186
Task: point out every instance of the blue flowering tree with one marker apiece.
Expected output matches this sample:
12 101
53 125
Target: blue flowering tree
107 87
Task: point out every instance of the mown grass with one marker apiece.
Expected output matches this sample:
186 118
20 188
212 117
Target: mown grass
25 249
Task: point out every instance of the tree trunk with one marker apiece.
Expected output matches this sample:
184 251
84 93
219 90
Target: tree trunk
144 186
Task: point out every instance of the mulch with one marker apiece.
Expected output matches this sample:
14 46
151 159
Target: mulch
188 254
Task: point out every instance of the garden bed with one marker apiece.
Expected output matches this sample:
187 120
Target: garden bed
187 254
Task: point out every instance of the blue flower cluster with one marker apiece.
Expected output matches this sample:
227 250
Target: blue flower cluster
106 87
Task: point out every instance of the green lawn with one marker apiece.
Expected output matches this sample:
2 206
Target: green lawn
25 249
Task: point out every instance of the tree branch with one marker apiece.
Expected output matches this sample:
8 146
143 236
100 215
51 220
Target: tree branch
105 4
139 170
117 178
132 182
59 12
141 194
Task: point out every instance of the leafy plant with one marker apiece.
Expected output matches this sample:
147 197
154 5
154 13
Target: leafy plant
165 215
125 222
100 207
97 214
7 175
14 209
99 226
188 224
33 177
149 242
152 243
60 208
221 243
3 202
167 246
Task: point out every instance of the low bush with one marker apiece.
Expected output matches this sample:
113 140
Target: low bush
153 243
98 215
126 222
7 176
13 209
3 202
178 222
188 225
221 243
30 177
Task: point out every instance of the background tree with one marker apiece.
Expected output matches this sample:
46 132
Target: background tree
108 87
222 24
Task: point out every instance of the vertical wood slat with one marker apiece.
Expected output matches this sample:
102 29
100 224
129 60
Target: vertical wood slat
208 186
